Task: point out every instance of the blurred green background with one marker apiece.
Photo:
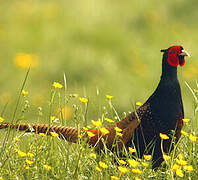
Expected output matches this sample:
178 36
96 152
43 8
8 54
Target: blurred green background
113 46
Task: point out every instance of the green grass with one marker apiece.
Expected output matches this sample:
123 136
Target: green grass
54 158
102 47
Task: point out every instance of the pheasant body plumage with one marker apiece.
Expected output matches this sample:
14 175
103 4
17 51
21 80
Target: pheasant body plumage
161 113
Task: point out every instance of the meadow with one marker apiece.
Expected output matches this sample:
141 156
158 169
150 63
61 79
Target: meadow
93 49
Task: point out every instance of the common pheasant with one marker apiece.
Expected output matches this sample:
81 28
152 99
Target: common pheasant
161 113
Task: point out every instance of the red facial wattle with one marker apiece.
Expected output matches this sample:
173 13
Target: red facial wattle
173 56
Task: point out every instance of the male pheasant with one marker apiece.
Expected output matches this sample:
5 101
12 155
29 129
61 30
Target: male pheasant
161 113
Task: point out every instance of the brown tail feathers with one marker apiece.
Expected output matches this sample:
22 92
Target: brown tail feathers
70 134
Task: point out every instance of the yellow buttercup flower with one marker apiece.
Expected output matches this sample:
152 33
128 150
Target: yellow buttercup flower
42 134
164 136
118 129
83 100
98 169
123 170
175 167
132 150
188 168
75 95
54 134
21 153
192 138
47 167
90 134
133 163
26 166
181 162
57 85
29 154
180 156
122 162
186 120
104 131
16 139
109 120
115 178
137 171
179 172
29 162
85 128
166 157
119 134
138 103
96 123
25 60
109 97
184 133
1 119
93 155
103 165
24 93
147 157
145 164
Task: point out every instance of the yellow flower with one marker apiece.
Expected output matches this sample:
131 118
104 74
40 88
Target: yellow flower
115 178
181 162
138 103
145 164
180 156
21 153
104 131
48 168
133 163
54 134
122 162
132 150
175 167
119 134
96 123
188 168
93 155
64 112
29 162
123 170
164 136
1 119
24 93
166 157
52 118
109 97
118 129
103 165
147 157
184 133
137 171
42 134
186 120
179 172
83 100
109 120
85 128
57 85
192 138
24 60
16 139
90 134
98 169
137 178
74 95
26 166
29 154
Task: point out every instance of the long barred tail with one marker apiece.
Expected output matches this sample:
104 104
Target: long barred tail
70 134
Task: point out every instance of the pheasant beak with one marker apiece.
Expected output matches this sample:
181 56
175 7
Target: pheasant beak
184 53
